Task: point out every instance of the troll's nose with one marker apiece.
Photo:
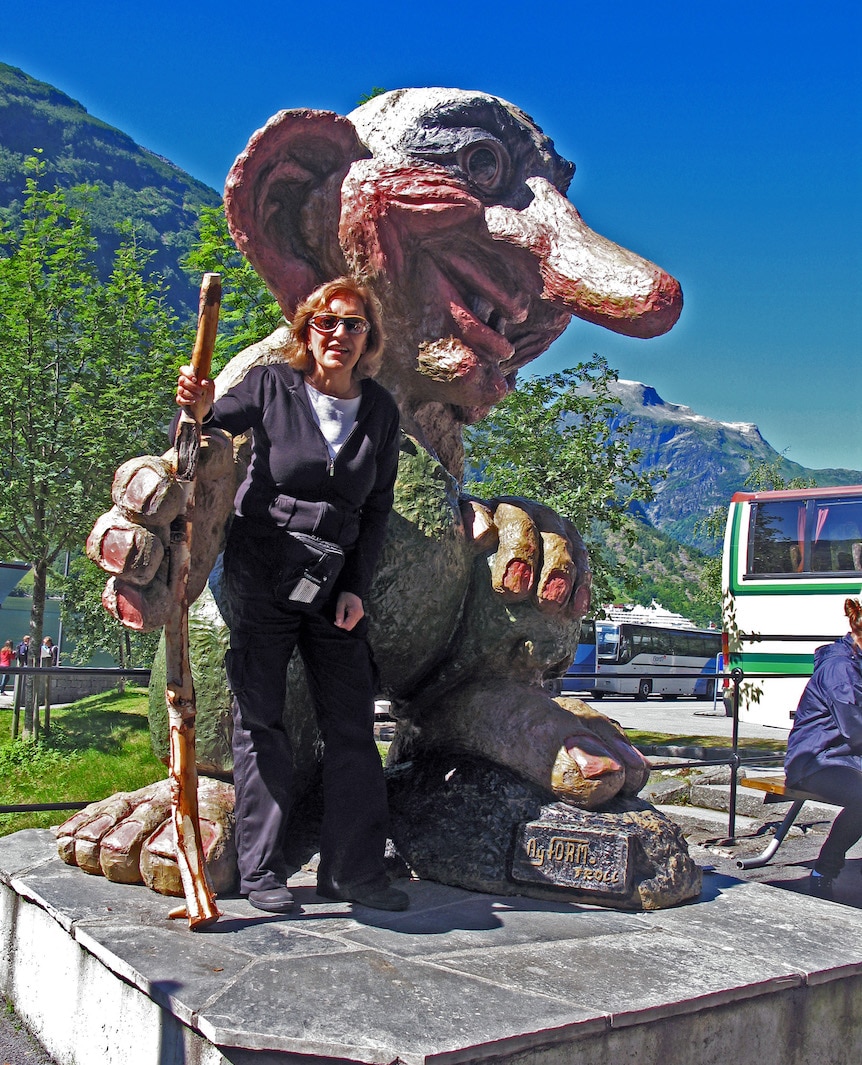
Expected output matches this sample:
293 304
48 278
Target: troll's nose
583 272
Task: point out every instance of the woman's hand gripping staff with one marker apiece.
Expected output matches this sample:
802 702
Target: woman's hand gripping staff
200 905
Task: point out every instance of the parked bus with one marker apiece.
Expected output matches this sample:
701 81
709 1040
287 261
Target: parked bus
579 677
643 660
790 560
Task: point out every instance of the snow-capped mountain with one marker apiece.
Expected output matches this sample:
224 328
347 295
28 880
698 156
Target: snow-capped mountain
706 460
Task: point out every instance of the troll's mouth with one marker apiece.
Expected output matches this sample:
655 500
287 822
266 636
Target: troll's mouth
497 301
481 334
485 312
484 301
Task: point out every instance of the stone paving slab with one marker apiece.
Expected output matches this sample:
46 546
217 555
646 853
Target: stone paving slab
642 975
365 1005
817 940
459 977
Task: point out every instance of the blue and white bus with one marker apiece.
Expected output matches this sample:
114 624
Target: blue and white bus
642 660
580 674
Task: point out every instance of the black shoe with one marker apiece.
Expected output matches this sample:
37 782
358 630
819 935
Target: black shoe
378 898
273 900
820 886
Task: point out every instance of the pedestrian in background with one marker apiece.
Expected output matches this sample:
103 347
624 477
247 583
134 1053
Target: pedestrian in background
7 653
49 653
22 651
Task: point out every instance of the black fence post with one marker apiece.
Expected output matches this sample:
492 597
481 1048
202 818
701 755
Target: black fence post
736 676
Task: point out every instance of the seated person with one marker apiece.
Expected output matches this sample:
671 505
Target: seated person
824 749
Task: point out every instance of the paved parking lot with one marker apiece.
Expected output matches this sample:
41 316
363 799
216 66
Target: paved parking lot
678 717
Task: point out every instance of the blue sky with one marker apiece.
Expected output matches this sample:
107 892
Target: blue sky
722 140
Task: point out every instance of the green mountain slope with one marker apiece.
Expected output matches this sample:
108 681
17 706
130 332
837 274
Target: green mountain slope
132 184
666 571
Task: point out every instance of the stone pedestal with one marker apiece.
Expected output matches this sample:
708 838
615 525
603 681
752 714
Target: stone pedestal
470 824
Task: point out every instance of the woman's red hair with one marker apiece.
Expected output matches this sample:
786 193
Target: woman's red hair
853 610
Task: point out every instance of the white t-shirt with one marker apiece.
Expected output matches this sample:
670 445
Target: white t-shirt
336 417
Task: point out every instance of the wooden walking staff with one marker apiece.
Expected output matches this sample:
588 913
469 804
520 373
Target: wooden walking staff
179 692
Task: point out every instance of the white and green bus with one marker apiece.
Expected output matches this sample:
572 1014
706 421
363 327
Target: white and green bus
790 560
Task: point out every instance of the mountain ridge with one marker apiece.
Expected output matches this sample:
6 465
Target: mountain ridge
697 451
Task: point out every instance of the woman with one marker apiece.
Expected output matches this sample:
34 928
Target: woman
7 653
325 441
824 749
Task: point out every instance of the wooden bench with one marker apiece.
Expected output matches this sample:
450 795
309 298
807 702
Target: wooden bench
776 791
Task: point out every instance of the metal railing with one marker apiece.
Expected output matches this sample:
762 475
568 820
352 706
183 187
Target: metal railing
733 759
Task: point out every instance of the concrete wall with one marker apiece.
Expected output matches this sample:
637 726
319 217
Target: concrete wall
62 686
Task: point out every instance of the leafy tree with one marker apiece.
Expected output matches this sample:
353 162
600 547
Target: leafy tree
91 627
89 369
366 96
762 477
248 311
578 459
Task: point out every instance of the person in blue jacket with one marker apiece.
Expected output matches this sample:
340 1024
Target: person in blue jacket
824 749
325 440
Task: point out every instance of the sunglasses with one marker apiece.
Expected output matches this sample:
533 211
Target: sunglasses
328 323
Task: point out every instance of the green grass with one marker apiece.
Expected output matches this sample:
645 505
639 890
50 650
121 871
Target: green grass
660 739
97 746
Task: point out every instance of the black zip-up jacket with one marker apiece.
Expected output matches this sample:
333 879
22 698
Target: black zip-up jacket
293 483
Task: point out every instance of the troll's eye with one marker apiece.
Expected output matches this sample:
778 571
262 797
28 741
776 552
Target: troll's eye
484 164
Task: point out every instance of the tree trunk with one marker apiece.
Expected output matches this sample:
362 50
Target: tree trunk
37 621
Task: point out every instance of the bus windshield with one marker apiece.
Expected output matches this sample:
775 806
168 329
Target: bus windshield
805 536
607 639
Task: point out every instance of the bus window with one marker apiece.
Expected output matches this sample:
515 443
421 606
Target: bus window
607 638
837 536
777 537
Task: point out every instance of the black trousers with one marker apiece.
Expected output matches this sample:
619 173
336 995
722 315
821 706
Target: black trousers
841 785
340 674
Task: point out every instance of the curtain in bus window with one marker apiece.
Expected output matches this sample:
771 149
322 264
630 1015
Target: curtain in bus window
800 539
774 546
837 544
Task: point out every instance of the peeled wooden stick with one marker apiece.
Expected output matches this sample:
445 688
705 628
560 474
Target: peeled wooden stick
179 691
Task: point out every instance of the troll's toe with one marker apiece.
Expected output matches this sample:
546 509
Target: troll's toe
585 772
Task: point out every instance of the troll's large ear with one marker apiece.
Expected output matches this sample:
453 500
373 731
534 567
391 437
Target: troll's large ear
282 200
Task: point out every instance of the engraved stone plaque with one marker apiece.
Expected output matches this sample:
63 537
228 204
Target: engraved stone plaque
568 856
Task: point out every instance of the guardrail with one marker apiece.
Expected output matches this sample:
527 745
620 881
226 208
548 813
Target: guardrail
734 760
